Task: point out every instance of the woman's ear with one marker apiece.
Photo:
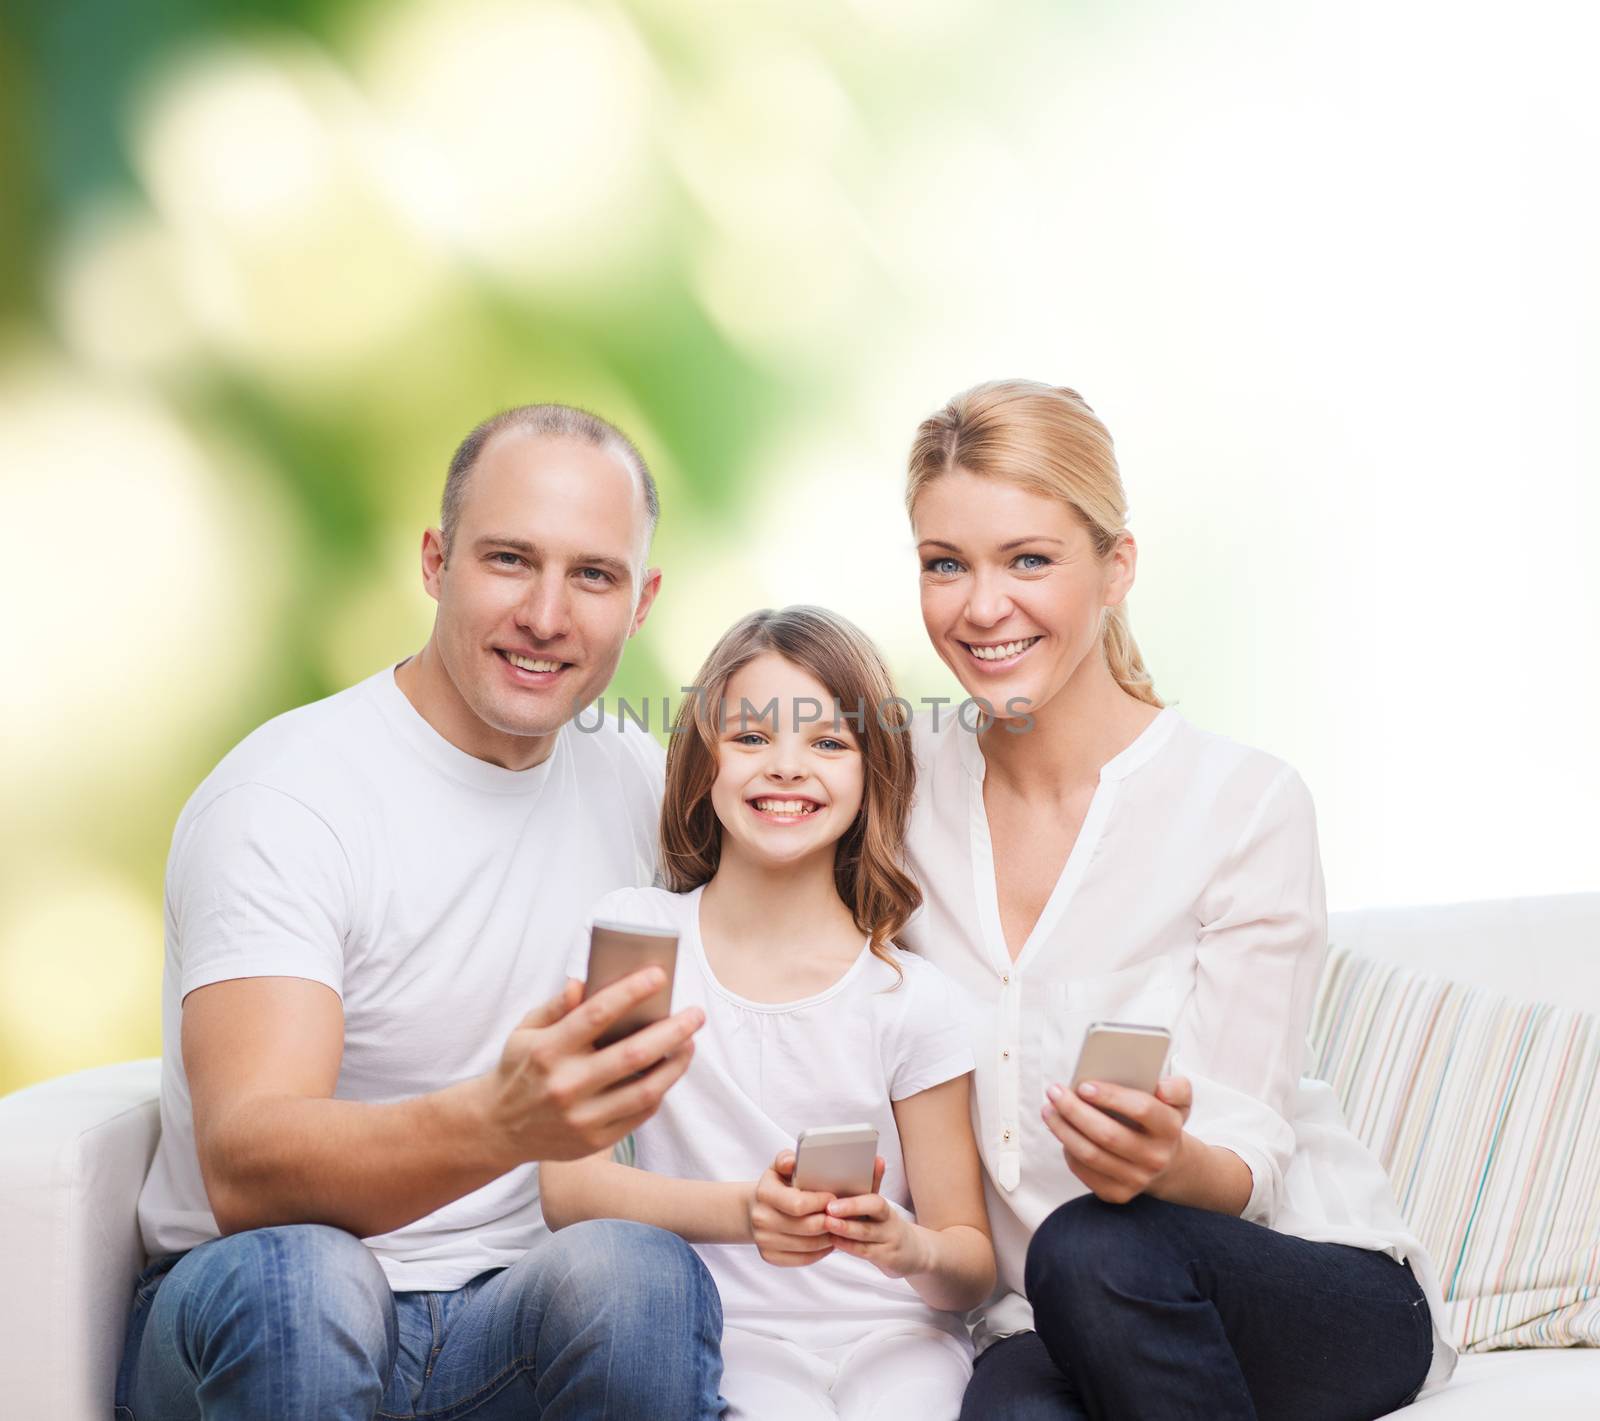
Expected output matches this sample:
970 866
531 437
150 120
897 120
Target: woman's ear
1121 564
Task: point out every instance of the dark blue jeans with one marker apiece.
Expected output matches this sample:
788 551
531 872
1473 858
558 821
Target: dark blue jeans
1150 1309
605 1318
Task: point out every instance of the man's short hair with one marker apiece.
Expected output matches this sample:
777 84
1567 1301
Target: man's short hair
552 421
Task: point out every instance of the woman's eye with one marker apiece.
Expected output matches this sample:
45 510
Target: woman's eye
1032 562
942 567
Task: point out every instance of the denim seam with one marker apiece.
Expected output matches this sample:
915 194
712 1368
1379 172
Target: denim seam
458 1408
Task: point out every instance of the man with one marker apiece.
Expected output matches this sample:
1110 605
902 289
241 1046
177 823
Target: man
363 901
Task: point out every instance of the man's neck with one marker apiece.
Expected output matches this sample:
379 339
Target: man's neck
433 695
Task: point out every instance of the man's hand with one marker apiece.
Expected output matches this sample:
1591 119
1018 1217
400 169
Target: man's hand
554 1096
1119 1159
789 1226
869 1228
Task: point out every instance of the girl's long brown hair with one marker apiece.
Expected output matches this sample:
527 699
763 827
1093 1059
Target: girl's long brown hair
868 863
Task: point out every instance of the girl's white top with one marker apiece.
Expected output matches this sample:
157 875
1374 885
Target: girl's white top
763 1072
1192 899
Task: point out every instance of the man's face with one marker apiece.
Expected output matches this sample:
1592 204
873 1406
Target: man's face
544 582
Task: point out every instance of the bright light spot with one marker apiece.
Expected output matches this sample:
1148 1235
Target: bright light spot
275 183
532 123
80 954
142 589
784 265
119 295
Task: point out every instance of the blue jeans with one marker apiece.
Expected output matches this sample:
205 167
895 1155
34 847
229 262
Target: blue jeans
605 1318
1154 1309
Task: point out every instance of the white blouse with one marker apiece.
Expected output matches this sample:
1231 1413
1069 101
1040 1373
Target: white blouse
1193 898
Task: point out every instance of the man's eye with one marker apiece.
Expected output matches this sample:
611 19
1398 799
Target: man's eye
942 567
510 559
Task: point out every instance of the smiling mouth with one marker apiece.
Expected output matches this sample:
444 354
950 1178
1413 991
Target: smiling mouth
1000 651
784 808
535 665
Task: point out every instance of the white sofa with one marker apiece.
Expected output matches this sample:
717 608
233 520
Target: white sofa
74 1151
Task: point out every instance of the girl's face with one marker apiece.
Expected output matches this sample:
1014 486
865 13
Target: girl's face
1012 592
789 777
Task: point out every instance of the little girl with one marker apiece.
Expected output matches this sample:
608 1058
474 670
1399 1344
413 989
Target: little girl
789 781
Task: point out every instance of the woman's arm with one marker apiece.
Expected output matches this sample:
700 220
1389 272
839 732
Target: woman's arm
1224 1140
597 1187
946 1254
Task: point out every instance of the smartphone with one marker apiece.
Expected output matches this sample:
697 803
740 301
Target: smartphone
1123 1053
615 951
836 1159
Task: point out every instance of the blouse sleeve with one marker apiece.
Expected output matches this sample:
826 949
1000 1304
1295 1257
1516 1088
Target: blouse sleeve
1241 1039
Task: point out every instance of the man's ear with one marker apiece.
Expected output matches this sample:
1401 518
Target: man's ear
647 597
432 561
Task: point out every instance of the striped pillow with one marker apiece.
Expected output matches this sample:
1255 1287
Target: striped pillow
1486 1114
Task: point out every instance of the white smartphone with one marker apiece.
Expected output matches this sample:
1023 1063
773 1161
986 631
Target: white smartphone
617 950
1123 1053
836 1159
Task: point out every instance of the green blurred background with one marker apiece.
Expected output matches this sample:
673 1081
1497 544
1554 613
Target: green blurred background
1326 270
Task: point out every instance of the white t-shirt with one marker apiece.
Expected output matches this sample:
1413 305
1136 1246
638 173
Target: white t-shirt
1193 899
348 843
762 1072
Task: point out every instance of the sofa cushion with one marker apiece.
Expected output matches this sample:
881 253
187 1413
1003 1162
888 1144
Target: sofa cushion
1486 1113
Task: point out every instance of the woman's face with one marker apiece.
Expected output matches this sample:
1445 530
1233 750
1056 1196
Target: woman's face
1012 592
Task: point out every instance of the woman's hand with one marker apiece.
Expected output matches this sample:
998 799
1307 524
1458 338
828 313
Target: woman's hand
1120 1159
788 1225
868 1227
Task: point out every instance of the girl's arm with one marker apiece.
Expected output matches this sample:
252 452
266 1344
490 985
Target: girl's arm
597 1187
946 1254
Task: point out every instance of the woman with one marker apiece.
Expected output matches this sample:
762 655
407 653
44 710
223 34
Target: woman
1221 1248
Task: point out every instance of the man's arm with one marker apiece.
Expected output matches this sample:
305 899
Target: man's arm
262 1057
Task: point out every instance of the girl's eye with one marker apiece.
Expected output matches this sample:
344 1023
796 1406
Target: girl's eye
750 737
942 567
829 743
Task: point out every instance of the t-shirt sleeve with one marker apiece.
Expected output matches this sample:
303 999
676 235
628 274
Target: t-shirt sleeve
259 887
934 1036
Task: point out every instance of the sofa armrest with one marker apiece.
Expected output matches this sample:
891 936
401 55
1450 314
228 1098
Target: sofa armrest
73 1156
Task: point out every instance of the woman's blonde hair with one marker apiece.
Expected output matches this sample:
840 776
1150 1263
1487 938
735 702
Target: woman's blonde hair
868 863
1044 438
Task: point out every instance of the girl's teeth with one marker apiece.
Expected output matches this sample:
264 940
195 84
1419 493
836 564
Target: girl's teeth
1000 653
782 806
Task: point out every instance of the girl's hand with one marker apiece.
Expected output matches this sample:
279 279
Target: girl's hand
787 1225
867 1227
1120 1159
